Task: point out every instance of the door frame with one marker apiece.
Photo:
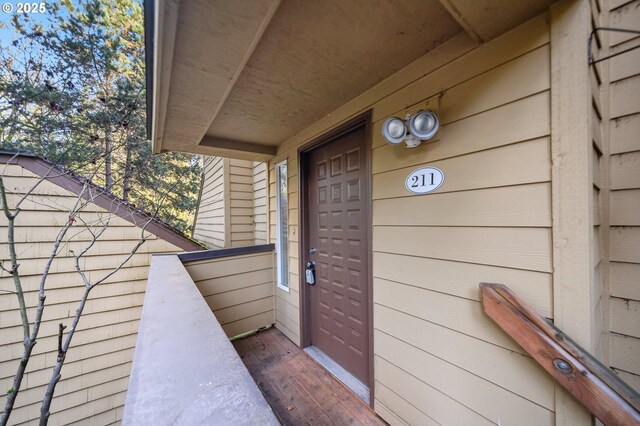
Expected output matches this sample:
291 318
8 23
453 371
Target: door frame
362 120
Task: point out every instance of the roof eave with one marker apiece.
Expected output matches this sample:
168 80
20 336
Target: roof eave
100 197
149 36
161 20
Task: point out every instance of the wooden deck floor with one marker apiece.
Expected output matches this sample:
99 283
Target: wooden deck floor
298 389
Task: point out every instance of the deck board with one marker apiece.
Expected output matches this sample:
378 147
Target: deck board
298 389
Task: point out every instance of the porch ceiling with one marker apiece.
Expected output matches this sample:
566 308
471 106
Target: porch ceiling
236 78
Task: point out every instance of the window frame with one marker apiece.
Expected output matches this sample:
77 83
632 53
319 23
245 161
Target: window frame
281 278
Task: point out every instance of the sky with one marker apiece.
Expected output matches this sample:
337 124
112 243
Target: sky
8 8
6 33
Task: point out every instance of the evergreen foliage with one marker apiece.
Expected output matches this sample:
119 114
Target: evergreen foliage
72 90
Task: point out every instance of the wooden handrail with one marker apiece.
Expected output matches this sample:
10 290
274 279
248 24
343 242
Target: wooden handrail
598 388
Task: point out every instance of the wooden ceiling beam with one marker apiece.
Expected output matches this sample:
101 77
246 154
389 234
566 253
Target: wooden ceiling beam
212 42
459 18
249 52
238 149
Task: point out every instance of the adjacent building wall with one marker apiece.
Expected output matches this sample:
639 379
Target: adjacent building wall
232 208
96 374
241 211
438 358
624 166
238 289
209 226
260 225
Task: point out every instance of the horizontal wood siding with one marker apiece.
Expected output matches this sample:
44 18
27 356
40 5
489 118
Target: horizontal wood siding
492 215
438 358
210 222
233 204
96 374
260 196
238 289
624 163
241 203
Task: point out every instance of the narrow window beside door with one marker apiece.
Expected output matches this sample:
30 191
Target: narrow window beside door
282 225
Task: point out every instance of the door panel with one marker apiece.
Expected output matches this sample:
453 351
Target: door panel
338 188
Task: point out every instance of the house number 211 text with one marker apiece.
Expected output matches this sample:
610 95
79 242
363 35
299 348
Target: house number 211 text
424 180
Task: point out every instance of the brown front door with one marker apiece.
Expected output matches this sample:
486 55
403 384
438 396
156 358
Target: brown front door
337 217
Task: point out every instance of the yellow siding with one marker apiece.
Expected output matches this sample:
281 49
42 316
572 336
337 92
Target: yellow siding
210 222
624 164
96 373
238 289
241 203
232 211
260 203
438 358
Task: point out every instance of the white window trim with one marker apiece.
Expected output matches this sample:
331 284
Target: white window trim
279 258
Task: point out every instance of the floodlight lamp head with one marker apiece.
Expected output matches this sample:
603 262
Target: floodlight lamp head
423 125
414 129
394 130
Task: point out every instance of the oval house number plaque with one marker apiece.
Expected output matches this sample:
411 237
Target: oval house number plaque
424 180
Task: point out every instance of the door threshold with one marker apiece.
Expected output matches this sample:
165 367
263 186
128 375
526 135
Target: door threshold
343 376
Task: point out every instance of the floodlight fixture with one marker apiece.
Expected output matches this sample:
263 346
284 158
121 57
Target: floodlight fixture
414 129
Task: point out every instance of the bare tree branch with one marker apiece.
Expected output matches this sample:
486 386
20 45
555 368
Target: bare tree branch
95 238
62 350
30 339
14 259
